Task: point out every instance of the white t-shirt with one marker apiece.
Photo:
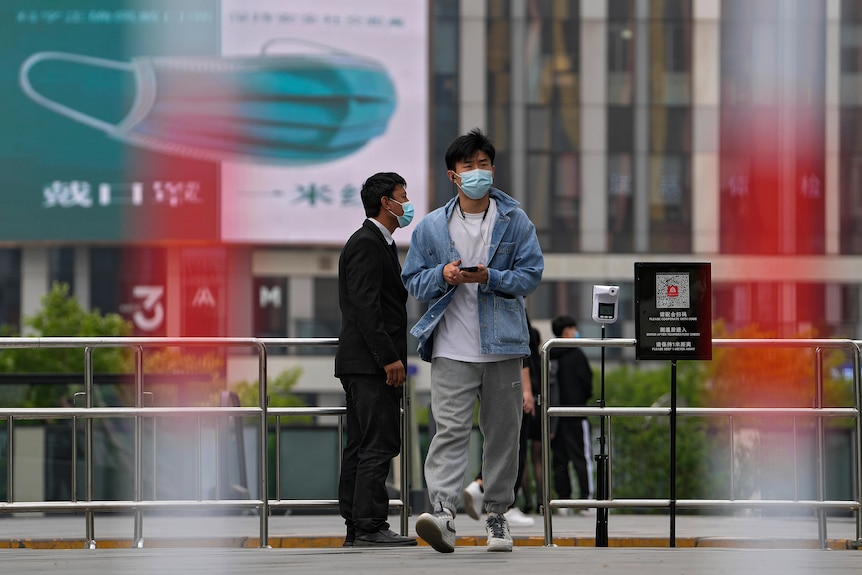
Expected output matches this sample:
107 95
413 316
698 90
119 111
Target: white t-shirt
457 335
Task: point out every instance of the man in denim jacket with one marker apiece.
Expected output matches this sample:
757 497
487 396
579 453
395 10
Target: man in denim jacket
473 260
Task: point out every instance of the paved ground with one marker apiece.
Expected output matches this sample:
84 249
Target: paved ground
472 560
326 530
310 544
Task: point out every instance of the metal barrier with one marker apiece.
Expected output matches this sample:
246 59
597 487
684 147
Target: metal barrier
138 504
818 411
263 504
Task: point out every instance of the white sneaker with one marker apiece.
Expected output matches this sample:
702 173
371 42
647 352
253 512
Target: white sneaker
474 500
516 518
499 537
438 530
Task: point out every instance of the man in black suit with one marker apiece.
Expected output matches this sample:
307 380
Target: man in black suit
371 361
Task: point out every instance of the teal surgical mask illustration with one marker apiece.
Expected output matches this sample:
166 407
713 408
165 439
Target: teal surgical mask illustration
300 108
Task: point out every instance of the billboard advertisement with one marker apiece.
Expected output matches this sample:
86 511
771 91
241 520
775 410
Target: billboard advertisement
75 87
344 89
252 121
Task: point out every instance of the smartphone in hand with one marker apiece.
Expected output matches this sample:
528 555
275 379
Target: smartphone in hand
469 268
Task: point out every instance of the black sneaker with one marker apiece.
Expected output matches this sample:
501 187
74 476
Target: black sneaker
383 538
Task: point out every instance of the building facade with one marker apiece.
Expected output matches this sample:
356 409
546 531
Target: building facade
720 131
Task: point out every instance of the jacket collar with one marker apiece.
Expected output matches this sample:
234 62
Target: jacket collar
381 229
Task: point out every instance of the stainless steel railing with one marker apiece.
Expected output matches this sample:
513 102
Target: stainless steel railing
262 504
818 412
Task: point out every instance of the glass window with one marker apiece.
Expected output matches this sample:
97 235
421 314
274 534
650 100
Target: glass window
133 283
670 129
539 128
327 317
270 299
670 204
621 129
850 158
620 203
621 63
327 313
621 10
499 82
10 288
445 102
552 52
851 203
670 77
566 209
204 291
775 167
61 267
850 314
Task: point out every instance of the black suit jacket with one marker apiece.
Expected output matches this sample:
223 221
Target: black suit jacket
373 305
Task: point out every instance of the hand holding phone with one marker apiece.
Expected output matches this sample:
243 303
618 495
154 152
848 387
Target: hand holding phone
469 268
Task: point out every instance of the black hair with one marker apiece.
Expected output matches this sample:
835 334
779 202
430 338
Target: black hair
562 322
466 146
378 186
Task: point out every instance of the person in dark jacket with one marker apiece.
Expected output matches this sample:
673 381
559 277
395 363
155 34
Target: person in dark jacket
371 361
571 441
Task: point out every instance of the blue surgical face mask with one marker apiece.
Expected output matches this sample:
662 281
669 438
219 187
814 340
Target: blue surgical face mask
295 109
404 220
475 183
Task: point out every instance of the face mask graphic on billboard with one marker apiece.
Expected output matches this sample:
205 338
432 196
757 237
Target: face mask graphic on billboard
300 108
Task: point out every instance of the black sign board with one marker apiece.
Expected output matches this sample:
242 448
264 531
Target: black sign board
673 310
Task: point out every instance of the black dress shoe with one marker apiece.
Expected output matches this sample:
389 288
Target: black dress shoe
383 538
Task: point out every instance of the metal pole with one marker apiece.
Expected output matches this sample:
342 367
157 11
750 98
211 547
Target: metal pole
277 462
139 448
263 401
543 401
857 389
602 467
10 457
732 442
673 399
88 447
821 446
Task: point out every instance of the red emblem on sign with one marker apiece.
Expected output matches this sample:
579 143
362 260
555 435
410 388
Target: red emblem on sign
672 291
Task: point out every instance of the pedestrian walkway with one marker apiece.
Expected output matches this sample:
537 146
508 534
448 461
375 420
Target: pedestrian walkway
163 530
423 559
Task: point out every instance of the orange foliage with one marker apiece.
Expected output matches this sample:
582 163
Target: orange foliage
760 376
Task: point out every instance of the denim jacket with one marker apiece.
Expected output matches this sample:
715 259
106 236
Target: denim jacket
515 266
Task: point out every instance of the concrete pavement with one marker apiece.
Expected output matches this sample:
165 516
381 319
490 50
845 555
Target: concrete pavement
469 560
310 544
163 530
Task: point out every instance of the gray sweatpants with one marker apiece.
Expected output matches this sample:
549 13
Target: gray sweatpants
455 386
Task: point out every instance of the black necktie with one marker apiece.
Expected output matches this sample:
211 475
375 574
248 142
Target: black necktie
394 249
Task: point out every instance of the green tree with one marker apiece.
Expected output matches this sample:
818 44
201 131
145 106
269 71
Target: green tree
62 316
281 394
640 456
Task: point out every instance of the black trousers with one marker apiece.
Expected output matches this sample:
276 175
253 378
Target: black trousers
568 445
373 439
